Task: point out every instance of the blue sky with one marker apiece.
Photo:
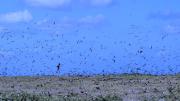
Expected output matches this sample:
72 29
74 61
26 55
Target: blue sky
89 36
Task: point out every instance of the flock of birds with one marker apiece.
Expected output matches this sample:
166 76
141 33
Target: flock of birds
24 50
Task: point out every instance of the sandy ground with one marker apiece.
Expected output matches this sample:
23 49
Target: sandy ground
128 87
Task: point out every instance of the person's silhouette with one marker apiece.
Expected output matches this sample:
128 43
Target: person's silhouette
58 67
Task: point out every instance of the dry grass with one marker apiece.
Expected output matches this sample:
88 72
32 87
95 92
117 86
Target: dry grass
93 88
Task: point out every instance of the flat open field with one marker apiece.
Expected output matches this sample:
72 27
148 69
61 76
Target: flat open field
94 88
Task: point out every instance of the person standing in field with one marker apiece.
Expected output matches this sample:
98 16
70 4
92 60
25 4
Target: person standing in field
58 67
